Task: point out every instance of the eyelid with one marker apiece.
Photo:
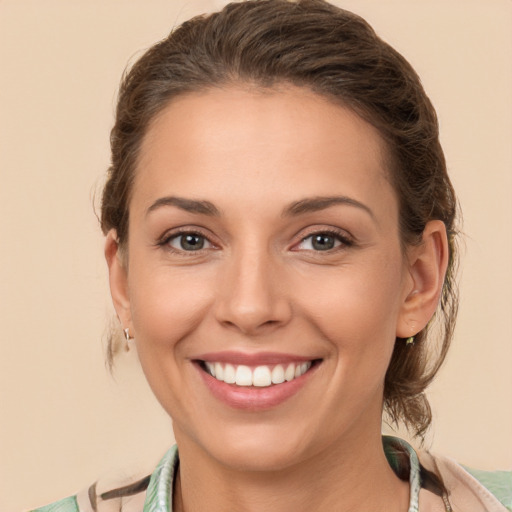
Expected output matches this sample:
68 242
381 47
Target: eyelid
345 239
179 236
341 235
163 241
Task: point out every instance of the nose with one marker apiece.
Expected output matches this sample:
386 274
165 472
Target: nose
252 297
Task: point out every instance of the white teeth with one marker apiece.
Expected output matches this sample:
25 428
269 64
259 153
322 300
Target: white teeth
243 376
211 368
260 376
219 371
229 374
289 374
305 367
278 374
301 369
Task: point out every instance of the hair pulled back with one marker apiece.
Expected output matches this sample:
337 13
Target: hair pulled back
313 44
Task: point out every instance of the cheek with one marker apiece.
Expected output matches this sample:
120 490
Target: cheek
166 304
356 309
371 294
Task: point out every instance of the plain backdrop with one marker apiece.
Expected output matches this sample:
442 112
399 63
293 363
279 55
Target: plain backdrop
64 420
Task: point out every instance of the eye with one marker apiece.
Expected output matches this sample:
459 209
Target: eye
189 242
323 241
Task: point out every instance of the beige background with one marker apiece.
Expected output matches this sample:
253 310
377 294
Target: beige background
63 419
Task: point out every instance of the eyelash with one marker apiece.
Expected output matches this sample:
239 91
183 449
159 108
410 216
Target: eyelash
341 237
167 238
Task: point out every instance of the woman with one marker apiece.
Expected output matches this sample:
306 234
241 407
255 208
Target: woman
280 236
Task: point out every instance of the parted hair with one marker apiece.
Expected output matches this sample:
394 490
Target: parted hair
336 54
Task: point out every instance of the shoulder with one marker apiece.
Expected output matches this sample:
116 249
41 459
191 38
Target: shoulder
499 483
66 505
469 489
114 495
103 497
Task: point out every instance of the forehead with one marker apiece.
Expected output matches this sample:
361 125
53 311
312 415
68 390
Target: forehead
290 140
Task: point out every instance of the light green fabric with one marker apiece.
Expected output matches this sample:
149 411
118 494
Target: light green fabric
159 492
65 505
499 483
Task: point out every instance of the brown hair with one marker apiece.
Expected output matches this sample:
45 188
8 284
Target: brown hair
313 44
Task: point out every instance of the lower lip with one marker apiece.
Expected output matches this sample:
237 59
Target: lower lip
251 398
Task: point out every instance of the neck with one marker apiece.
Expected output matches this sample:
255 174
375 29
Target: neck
352 477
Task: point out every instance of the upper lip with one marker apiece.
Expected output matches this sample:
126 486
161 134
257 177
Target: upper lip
255 359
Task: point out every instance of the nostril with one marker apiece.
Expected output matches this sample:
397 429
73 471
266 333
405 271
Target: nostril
249 296
249 327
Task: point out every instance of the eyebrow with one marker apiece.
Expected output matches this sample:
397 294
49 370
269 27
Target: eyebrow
315 204
308 205
189 205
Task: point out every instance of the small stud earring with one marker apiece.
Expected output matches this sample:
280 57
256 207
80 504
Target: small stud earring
409 340
127 339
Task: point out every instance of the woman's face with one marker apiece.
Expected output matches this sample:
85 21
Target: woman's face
264 246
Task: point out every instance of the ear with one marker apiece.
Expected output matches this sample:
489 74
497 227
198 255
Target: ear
118 279
427 268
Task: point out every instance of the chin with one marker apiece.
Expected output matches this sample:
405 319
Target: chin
262 447
264 454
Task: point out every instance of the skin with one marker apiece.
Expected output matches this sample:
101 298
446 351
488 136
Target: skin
259 284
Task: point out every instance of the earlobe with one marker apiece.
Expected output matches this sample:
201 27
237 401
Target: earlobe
118 279
427 268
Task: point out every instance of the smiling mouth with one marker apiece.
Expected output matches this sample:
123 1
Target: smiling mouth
259 376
